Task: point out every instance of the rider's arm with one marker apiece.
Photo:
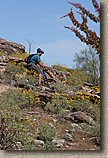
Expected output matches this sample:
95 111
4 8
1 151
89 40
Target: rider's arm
41 64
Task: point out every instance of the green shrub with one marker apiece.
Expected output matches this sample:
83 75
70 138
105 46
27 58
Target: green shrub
19 75
49 146
32 80
57 104
86 106
62 87
21 137
94 129
76 79
60 67
14 99
46 132
12 72
6 77
2 53
60 104
21 82
30 147
12 68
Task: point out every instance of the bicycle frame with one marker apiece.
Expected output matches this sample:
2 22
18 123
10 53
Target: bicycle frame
45 79
43 74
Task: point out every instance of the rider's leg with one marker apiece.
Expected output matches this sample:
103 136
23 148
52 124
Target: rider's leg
40 75
37 69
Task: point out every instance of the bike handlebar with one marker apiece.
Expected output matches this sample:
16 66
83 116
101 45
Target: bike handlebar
45 69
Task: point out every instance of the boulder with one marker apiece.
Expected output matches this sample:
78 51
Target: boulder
72 144
83 133
58 143
69 117
3 59
86 89
18 145
95 140
15 59
68 137
38 142
11 47
81 117
74 125
88 84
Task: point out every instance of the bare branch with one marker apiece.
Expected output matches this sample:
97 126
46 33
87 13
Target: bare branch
30 44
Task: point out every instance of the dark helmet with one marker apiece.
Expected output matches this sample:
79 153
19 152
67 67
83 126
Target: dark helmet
40 50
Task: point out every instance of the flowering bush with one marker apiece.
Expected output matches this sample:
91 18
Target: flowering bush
46 132
94 129
91 36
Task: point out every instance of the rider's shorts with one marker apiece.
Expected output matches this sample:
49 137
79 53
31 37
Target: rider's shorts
33 67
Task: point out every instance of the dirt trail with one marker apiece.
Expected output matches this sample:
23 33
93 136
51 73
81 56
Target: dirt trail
81 140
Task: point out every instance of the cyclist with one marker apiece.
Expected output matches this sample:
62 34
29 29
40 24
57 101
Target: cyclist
34 62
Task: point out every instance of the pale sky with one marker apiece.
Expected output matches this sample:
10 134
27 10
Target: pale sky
39 21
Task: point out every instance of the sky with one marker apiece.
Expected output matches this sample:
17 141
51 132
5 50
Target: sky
39 21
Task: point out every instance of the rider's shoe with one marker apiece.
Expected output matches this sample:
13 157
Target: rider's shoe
39 84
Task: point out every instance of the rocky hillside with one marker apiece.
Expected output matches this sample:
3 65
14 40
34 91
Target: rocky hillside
11 47
64 116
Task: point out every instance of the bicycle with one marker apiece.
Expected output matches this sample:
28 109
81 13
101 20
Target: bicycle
45 81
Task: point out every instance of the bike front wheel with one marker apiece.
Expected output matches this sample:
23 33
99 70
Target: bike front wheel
49 81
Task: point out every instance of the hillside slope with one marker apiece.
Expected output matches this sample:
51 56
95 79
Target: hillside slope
64 116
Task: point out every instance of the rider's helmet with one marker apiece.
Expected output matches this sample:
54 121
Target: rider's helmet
40 50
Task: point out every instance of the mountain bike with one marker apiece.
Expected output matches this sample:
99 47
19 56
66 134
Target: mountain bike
45 80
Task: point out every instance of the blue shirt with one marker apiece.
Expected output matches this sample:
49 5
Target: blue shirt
35 59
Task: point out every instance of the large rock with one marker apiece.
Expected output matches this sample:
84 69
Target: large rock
74 125
82 117
58 143
18 145
68 137
69 117
5 59
39 142
88 84
11 47
82 133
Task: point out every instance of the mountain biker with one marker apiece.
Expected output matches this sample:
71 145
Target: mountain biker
34 62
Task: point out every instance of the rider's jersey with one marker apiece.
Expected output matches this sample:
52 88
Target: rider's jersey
35 59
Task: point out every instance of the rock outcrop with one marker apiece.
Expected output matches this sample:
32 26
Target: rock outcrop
11 47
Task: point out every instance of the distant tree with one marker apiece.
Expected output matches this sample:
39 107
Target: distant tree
91 36
88 62
30 44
